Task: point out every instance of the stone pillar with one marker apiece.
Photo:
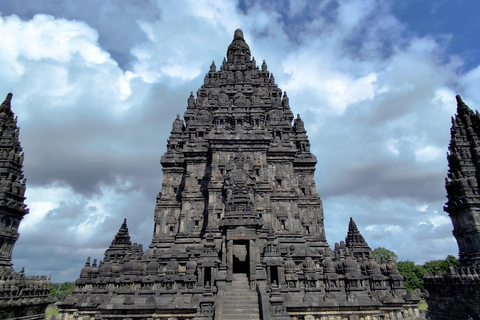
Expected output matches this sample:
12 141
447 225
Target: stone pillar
253 259
229 260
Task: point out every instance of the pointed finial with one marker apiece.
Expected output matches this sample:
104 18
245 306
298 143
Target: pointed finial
460 103
213 67
264 67
285 100
7 102
191 100
238 35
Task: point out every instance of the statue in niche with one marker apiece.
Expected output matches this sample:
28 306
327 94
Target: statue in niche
230 77
248 76
239 76
274 115
240 100
223 99
204 116
213 94
239 181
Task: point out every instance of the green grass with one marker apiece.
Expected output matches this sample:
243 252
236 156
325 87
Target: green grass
423 306
50 312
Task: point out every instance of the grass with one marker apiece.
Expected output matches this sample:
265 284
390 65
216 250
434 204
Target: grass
423 306
50 312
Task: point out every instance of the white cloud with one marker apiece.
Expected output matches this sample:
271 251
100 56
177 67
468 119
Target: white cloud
428 153
57 62
422 208
41 200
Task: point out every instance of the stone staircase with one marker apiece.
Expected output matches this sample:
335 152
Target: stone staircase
239 302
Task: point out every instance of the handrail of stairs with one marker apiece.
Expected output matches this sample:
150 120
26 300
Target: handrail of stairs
264 303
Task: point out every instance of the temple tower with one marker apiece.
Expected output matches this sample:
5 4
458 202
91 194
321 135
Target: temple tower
21 296
238 166
12 183
456 294
463 205
238 224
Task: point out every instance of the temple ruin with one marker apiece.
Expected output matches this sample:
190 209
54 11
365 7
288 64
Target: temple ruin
456 294
238 225
21 296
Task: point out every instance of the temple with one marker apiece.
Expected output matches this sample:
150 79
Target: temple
21 296
238 226
456 294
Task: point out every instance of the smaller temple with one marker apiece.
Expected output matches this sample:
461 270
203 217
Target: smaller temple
21 296
456 294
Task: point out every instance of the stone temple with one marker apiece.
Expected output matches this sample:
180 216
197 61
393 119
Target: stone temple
238 226
21 296
456 294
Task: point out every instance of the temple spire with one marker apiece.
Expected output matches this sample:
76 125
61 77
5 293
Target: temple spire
121 244
355 242
6 104
122 237
12 183
462 182
460 103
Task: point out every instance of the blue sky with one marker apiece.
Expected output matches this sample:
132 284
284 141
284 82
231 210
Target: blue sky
97 86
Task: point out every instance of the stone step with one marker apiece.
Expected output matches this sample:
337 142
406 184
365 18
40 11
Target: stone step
229 298
239 310
239 298
239 301
239 305
242 290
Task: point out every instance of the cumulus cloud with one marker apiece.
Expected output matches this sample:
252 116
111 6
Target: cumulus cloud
96 88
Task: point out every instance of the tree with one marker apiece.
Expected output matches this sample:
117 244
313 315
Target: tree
53 289
412 274
381 253
440 265
66 288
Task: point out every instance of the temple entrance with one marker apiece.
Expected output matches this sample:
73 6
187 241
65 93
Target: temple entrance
274 275
241 257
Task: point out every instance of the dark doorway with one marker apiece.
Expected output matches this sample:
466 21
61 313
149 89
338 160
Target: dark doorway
207 279
274 275
241 257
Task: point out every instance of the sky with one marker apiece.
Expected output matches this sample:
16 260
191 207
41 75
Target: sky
97 84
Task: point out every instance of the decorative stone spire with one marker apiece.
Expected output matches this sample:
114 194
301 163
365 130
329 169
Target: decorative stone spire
12 182
121 244
355 242
463 203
